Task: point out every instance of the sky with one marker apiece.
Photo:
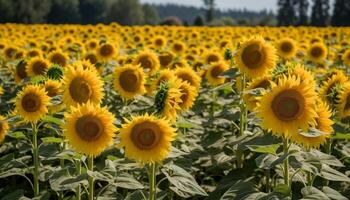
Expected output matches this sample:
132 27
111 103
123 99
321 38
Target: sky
225 4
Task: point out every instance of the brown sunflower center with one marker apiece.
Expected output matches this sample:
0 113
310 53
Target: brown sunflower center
51 91
212 58
165 59
129 81
80 90
286 47
146 62
92 58
288 105
33 53
178 47
39 67
217 71
89 128
159 42
316 52
21 70
186 77
263 84
252 56
145 135
58 59
31 102
184 95
106 50
347 104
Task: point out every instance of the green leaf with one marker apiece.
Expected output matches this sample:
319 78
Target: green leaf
239 190
264 161
311 193
15 195
332 174
17 135
182 182
271 149
52 140
4 160
231 73
51 119
282 189
333 194
12 172
127 181
341 136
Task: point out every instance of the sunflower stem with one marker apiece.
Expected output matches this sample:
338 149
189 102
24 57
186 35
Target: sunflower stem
242 120
268 188
61 196
152 182
35 160
91 179
286 162
78 188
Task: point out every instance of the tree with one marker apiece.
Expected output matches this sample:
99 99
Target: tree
320 14
210 8
302 6
125 12
92 11
171 21
341 13
64 11
286 13
150 14
198 21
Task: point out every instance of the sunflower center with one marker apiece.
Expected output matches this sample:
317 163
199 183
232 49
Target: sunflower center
178 47
80 90
129 81
263 84
58 59
316 52
145 135
165 59
92 58
51 91
146 62
39 68
106 50
288 105
212 58
286 47
21 70
89 128
252 56
347 104
31 102
159 42
184 96
186 77
217 71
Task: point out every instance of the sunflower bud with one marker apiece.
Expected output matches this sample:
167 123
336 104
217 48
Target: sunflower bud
161 97
228 54
55 72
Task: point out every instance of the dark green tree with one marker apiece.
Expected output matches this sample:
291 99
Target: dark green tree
150 14
64 11
7 11
341 13
320 13
92 11
125 12
210 9
286 13
302 7
198 21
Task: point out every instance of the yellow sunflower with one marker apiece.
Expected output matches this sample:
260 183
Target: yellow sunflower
317 52
212 57
4 127
159 42
251 99
305 75
286 48
52 87
165 58
107 51
37 66
89 129
81 86
188 74
59 57
331 86
129 81
343 101
20 72
188 96
288 107
163 76
31 103
214 71
346 57
255 57
148 61
147 139
323 124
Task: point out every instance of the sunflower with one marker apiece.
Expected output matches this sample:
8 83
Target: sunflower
148 61
159 42
286 48
34 53
323 124
188 95
346 57
178 47
214 71
147 139
31 103
288 107
343 101
92 57
52 87
251 99
330 88
165 58
4 127
89 129
37 66
81 86
188 74
168 99
212 57
255 57
317 52
129 81
20 72
298 69
1 90
59 57
164 76
107 51
86 64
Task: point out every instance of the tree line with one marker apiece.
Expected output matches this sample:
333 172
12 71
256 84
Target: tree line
296 12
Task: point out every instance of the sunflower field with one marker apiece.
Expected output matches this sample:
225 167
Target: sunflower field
165 113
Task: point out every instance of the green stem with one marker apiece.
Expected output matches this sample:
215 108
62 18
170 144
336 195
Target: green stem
61 196
242 121
329 152
309 179
91 179
286 162
152 182
268 188
36 160
78 188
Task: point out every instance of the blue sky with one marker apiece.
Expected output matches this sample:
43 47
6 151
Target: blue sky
225 4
